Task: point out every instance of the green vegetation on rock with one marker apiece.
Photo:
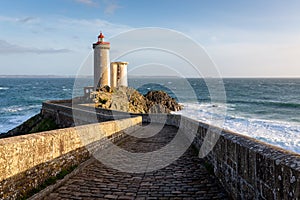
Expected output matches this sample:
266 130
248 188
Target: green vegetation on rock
45 125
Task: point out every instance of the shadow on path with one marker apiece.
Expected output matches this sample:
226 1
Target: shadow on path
185 178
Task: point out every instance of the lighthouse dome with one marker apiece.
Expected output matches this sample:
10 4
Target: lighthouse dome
101 35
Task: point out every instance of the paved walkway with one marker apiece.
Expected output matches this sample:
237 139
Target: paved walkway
185 178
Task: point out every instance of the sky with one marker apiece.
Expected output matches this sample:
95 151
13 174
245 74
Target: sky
243 38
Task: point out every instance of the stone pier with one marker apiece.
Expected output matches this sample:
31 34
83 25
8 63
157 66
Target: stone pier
243 167
185 178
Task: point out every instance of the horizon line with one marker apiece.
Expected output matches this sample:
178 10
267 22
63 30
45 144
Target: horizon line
140 76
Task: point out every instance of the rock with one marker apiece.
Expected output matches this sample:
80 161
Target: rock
130 100
105 88
164 100
103 99
37 123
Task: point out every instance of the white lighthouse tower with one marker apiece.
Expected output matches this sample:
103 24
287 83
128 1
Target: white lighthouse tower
101 63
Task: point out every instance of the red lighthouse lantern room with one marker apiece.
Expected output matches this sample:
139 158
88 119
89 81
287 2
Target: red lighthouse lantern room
101 38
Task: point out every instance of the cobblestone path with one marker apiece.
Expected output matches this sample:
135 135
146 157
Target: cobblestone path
185 178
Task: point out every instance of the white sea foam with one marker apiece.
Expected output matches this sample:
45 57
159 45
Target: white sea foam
19 119
4 88
282 134
14 122
17 108
13 109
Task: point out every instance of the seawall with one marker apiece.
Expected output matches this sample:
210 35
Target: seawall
247 168
27 161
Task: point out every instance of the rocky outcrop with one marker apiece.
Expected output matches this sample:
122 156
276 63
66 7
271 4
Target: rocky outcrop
160 101
130 100
122 98
37 123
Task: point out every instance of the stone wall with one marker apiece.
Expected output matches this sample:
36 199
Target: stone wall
27 161
66 116
247 168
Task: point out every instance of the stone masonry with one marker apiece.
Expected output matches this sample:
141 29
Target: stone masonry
185 178
247 168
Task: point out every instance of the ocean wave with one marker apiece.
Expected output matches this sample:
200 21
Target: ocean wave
18 108
268 103
4 88
18 120
278 133
13 122
13 109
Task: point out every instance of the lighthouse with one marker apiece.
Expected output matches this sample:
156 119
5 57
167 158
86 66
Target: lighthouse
101 62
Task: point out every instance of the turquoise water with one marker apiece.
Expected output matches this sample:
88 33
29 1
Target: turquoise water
266 109
22 98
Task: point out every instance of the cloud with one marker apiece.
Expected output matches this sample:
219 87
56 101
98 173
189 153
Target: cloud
92 26
27 20
249 59
7 19
87 2
8 48
251 52
23 20
111 7
55 32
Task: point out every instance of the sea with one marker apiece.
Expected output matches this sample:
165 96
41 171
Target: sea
267 109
